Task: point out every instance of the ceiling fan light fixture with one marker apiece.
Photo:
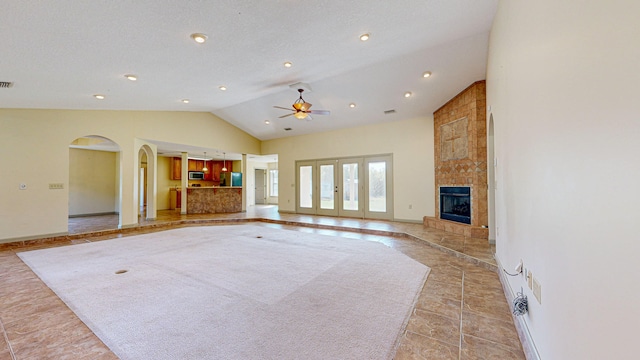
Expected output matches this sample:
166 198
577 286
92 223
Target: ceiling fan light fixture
300 115
199 38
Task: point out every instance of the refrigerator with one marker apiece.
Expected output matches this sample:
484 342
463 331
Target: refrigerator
231 179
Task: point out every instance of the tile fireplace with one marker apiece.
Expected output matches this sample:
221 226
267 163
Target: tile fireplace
460 149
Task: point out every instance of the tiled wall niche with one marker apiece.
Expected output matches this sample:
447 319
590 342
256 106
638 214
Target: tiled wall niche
460 130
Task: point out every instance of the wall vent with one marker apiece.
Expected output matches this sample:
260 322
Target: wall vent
392 111
6 84
287 129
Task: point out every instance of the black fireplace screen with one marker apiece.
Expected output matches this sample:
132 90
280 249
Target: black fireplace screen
455 203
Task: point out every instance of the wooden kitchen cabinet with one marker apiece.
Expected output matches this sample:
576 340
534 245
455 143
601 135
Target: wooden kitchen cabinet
208 175
176 168
216 169
194 165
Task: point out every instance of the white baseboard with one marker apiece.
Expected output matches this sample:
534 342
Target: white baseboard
528 345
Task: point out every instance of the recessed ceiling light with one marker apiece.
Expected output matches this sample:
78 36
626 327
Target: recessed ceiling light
199 38
131 77
407 94
222 87
288 64
186 101
364 37
99 97
267 122
426 74
352 105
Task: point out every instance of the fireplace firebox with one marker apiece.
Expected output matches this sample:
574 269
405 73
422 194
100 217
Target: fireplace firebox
455 203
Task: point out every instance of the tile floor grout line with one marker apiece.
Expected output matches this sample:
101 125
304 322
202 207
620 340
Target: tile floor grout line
461 311
6 338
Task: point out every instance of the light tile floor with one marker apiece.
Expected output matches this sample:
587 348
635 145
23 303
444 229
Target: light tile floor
461 313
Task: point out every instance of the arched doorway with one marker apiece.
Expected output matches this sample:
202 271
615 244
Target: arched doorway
147 182
94 184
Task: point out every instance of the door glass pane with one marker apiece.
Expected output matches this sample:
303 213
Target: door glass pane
350 186
378 186
306 186
326 187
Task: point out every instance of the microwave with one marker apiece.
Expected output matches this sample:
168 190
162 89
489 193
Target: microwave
196 175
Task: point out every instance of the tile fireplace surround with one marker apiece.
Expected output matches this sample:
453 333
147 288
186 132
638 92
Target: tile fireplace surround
460 130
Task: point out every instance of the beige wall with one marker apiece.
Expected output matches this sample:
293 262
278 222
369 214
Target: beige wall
41 139
92 182
562 85
410 141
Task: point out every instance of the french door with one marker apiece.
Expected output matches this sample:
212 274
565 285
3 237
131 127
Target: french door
350 187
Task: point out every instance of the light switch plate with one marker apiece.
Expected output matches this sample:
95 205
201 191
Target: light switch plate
537 290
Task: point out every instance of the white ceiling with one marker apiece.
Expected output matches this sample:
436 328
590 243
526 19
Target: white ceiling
59 53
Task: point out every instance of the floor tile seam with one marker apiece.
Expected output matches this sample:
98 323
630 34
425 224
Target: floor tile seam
428 312
6 339
436 313
430 337
504 322
434 338
498 344
485 315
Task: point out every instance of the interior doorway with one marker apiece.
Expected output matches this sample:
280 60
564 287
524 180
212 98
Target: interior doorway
260 186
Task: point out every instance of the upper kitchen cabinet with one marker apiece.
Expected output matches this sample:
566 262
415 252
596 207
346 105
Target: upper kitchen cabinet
214 168
176 168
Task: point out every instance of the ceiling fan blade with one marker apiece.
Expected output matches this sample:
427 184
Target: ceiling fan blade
320 112
283 116
283 108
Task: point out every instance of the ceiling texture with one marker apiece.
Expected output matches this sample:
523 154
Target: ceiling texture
59 54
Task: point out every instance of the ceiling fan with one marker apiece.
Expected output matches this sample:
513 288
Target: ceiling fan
301 109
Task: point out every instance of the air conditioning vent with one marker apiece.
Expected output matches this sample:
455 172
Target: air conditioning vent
287 129
6 84
392 111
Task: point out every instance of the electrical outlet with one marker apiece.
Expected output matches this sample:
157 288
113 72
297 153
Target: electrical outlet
56 186
529 279
537 290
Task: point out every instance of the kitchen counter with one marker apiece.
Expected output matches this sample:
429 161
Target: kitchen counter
212 199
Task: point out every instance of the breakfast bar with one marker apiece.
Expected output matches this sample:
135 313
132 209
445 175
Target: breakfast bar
213 199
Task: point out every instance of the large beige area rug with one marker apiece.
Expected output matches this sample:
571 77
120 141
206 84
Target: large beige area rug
236 292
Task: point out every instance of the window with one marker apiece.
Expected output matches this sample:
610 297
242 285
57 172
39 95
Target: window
273 182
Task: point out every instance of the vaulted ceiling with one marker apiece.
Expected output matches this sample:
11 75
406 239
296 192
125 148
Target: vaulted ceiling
59 54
